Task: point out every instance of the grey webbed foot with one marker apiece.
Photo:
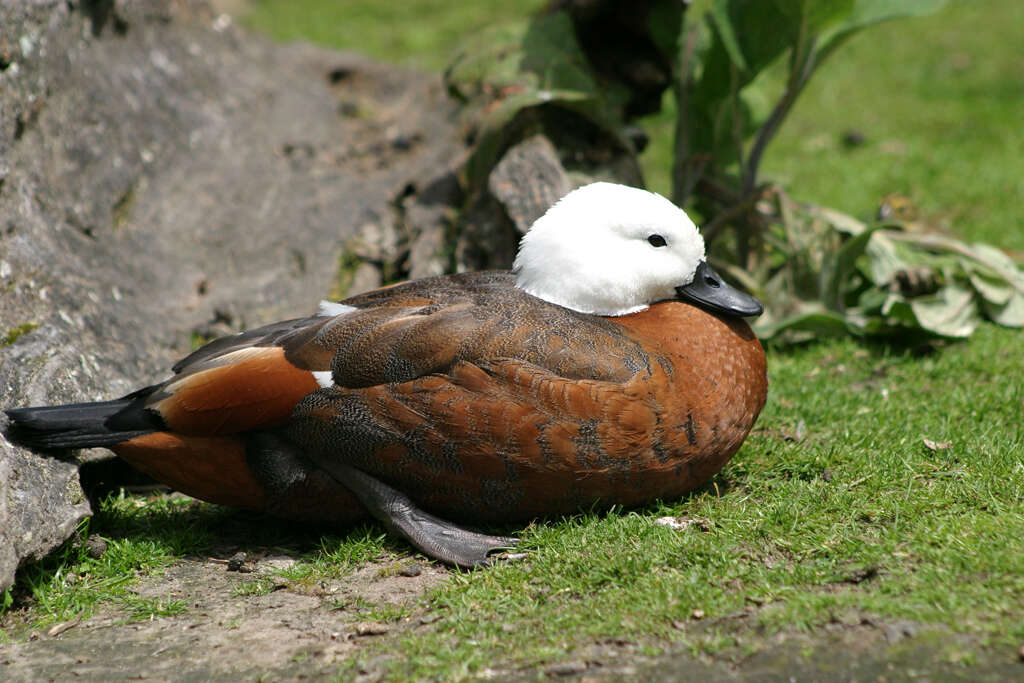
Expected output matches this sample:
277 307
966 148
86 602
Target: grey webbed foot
434 536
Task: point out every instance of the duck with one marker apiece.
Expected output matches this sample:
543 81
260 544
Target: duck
610 366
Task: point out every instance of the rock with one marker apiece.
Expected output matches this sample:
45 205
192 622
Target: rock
410 570
366 277
573 668
95 546
159 167
899 630
372 628
528 180
237 563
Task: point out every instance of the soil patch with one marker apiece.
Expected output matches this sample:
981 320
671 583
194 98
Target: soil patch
239 624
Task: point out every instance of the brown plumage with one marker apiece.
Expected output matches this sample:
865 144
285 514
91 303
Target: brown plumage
474 398
489 403
462 396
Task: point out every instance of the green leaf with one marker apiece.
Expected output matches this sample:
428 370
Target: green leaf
883 258
814 16
509 70
841 272
724 27
869 12
665 23
814 324
999 262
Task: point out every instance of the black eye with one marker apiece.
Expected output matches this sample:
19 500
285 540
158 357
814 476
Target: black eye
657 241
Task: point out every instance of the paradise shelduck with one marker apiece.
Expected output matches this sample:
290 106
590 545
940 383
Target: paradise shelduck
612 365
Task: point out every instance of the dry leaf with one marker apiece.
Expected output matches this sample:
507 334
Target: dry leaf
63 626
682 523
937 445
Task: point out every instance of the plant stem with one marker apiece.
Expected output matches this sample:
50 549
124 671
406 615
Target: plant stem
686 171
800 73
711 228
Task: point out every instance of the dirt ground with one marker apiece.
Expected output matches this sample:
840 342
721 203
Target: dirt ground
286 633
298 631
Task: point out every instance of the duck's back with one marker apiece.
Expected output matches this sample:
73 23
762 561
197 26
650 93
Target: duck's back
482 402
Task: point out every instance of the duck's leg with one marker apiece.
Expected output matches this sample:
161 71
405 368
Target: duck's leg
332 491
436 537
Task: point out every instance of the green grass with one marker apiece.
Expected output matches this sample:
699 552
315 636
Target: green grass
858 517
419 33
939 102
142 535
146 534
15 333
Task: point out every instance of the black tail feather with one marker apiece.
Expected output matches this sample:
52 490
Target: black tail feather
81 425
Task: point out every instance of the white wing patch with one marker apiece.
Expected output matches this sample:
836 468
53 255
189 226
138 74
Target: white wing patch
193 372
324 377
330 309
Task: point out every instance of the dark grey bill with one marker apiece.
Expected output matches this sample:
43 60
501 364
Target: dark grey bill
709 290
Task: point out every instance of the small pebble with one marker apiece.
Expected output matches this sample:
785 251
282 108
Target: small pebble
95 546
236 563
411 569
566 668
372 628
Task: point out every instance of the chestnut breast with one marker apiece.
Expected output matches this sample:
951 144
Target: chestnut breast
709 383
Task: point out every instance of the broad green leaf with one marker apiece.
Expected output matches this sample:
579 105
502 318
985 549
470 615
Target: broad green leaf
838 220
723 24
845 262
508 70
817 324
814 16
665 22
884 259
868 12
998 261
897 310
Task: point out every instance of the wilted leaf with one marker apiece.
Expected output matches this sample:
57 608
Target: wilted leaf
990 286
951 312
683 523
873 280
937 445
1011 314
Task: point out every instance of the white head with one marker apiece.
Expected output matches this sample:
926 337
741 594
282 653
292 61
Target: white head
609 249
